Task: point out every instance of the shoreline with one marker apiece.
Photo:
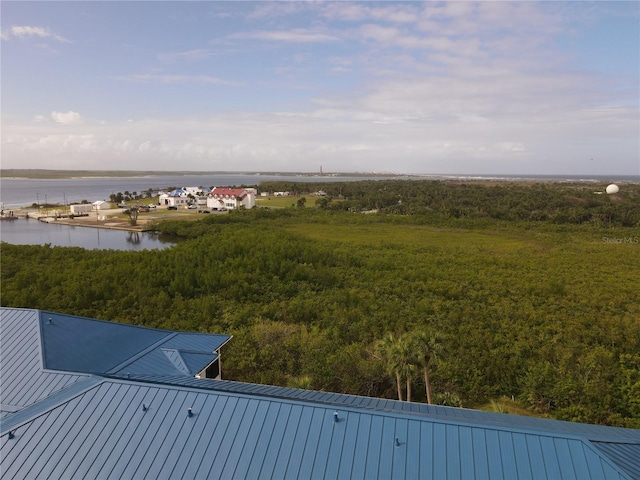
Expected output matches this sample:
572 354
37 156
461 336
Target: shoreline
109 222
110 219
92 223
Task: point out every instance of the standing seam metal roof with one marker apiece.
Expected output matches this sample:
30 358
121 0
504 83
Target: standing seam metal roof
125 425
104 432
23 380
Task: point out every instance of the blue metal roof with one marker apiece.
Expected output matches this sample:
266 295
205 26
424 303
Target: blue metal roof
79 344
171 361
121 424
104 432
86 345
596 433
23 380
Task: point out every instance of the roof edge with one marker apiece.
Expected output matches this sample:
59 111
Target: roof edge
31 412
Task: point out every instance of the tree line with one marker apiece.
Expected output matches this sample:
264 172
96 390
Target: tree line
560 203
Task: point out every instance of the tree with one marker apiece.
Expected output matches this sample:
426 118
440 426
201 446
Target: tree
133 215
322 202
301 202
405 359
426 346
397 353
385 350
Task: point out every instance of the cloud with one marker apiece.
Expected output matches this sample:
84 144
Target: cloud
177 79
276 9
25 31
187 56
358 136
437 87
295 35
353 12
68 118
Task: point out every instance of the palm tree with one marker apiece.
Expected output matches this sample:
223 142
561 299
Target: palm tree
427 346
398 354
385 349
406 360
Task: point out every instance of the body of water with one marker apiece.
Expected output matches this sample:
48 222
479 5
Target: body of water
24 192
33 232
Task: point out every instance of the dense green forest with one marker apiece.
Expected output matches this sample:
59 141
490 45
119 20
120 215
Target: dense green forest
527 291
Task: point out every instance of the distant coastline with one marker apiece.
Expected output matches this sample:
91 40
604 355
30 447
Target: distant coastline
60 174
68 174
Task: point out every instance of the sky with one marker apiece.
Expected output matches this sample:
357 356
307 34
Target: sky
492 87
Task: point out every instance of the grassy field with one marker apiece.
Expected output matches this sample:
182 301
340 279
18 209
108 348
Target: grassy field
277 202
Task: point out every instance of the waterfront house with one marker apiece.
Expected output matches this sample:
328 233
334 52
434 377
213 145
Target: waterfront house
226 198
197 191
176 198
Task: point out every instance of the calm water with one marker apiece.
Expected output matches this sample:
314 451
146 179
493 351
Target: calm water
23 192
33 232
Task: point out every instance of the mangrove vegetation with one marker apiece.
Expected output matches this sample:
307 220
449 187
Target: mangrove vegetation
449 292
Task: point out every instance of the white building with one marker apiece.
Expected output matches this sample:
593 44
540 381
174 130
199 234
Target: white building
197 191
81 208
231 198
101 205
175 198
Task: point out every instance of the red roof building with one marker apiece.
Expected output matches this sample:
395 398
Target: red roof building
226 198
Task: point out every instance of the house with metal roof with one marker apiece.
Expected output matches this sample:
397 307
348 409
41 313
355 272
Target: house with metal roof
83 398
175 198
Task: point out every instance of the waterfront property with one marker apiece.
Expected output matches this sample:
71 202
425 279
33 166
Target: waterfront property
101 205
175 198
225 198
82 208
83 398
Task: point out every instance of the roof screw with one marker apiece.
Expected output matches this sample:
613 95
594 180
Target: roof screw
335 417
11 435
144 408
397 442
189 412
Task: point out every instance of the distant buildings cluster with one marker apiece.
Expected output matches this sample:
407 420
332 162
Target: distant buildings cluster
217 199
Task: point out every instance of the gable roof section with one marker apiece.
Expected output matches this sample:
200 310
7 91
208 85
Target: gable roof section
95 346
626 456
23 379
43 352
104 432
91 346
178 192
96 426
596 433
228 192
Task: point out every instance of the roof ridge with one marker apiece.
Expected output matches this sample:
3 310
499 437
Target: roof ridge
491 421
30 412
142 353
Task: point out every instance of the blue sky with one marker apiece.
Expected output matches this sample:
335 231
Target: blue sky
405 87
